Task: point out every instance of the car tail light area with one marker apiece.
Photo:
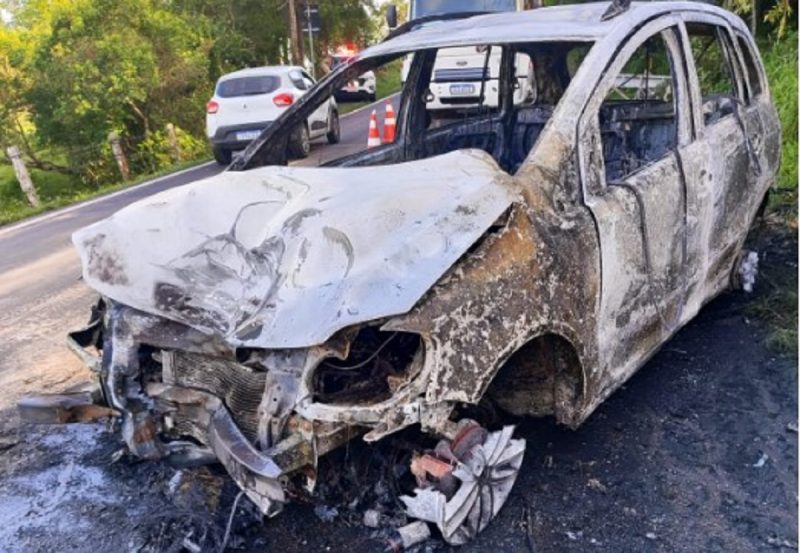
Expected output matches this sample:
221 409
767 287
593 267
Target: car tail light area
284 100
212 107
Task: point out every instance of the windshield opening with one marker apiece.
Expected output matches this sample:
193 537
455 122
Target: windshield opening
496 98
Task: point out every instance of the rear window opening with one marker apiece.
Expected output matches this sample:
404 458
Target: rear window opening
378 364
248 86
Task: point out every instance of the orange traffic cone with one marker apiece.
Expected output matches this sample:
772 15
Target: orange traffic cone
374 136
389 124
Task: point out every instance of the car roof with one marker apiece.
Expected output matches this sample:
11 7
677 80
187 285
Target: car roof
574 22
264 71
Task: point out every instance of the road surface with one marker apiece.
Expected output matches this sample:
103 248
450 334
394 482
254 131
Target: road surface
41 294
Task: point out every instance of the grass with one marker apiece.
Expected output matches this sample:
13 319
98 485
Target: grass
780 61
58 190
777 301
387 80
778 305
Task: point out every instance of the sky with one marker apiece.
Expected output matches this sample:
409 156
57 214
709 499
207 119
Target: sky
5 16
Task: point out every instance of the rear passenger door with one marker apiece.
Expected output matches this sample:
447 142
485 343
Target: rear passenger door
725 165
635 124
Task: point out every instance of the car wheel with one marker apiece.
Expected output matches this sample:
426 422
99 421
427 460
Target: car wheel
300 143
463 483
223 156
373 98
334 130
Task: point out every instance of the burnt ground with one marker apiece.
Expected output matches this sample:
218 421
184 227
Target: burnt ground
698 452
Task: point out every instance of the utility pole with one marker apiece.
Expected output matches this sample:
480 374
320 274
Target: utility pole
23 176
311 40
294 34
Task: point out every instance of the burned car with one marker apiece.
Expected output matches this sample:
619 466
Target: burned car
534 253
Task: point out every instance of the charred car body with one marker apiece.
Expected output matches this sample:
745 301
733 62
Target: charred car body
536 253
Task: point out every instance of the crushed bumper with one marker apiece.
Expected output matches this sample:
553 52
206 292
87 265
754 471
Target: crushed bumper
186 426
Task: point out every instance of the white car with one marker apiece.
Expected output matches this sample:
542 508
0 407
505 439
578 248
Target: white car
248 101
363 88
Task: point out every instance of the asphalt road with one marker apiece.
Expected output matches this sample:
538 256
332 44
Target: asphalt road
41 295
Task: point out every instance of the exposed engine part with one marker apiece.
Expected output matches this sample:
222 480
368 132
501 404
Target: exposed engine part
465 482
377 364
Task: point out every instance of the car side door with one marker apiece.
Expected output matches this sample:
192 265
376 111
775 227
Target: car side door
318 122
631 134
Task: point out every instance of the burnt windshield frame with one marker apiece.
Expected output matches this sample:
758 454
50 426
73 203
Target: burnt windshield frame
270 148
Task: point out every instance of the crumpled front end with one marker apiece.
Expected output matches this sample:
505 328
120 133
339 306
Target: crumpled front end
267 416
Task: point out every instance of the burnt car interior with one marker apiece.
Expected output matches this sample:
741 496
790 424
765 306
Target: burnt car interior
711 49
638 118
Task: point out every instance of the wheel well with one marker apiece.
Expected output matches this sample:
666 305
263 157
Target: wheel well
543 377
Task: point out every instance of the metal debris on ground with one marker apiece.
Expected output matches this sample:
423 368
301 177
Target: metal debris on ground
761 461
372 518
464 483
408 536
325 513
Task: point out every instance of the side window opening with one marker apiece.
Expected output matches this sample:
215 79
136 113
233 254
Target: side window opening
638 118
751 66
714 72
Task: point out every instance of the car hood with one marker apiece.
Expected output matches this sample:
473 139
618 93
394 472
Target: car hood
283 257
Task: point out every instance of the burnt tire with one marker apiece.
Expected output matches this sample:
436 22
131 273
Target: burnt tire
222 156
300 143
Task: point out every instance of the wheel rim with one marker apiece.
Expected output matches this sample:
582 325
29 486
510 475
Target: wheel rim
305 142
486 472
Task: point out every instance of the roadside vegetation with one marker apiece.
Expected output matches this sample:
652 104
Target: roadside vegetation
72 72
778 302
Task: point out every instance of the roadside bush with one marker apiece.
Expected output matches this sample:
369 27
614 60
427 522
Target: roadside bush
154 153
780 61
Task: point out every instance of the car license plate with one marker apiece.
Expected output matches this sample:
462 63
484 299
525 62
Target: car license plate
462 89
247 135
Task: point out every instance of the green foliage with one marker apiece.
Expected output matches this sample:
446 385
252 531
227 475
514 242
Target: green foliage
155 152
115 65
780 62
780 16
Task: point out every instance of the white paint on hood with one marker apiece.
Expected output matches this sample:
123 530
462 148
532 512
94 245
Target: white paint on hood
283 257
